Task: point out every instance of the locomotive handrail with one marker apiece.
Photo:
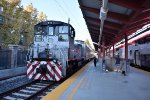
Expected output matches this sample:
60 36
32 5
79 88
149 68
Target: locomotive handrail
60 51
62 55
30 51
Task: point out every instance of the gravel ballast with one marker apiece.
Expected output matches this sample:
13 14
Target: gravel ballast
12 83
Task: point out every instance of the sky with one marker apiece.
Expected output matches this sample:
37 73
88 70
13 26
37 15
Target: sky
61 10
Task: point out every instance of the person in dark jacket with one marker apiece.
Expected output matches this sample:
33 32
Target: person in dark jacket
95 60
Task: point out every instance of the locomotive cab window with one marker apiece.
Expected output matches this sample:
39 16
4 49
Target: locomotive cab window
38 30
63 33
63 37
63 29
44 30
72 34
50 31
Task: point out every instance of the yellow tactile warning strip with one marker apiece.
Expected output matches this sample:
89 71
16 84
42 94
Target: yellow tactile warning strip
54 95
76 88
142 71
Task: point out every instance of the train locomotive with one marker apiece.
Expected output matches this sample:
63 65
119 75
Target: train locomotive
54 52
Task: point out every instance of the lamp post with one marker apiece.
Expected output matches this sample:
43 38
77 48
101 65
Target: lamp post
1 22
1 17
21 38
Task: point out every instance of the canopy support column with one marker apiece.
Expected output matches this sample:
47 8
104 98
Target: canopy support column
113 51
126 51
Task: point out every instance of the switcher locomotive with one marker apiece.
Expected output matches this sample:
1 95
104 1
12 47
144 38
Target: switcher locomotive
54 52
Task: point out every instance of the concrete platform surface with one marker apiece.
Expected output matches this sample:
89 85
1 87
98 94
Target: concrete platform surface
93 84
12 72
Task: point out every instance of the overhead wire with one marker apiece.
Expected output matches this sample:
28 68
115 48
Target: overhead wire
59 9
70 12
76 21
63 9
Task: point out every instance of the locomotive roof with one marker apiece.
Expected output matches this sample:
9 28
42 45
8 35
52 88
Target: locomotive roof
54 23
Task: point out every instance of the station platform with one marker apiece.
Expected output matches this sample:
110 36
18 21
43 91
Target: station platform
7 73
91 83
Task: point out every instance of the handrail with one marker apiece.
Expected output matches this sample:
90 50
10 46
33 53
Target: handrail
60 51
62 56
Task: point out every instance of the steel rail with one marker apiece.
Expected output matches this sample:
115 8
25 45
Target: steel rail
17 88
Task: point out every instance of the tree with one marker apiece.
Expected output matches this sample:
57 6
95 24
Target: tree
30 19
7 30
19 22
42 17
12 1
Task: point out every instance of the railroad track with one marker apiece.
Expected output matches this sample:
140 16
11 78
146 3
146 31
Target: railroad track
32 90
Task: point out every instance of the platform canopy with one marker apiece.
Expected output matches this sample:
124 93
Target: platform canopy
124 17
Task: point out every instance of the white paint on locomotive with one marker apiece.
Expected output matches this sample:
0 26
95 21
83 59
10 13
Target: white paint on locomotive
55 40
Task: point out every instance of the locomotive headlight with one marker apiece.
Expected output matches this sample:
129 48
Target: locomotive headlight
54 61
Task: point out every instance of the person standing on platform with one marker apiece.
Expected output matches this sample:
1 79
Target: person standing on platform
95 60
103 61
118 62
